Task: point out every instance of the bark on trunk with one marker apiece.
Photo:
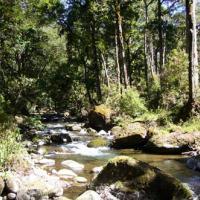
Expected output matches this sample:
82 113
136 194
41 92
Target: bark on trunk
121 42
105 70
117 62
95 61
160 35
192 50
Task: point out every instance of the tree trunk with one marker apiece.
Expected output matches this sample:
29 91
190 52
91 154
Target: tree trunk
117 62
160 36
192 50
146 64
95 61
121 42
105 69
129 70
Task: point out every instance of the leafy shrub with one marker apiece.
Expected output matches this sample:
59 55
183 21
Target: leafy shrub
34 122
131 103
191 125
9 145
175 79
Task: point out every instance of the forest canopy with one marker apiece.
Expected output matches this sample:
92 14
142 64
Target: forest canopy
72 54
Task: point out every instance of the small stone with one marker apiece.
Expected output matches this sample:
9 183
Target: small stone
73 165
48 162
62 198
11 196
80 179
97 170
41 151
76 128
102 133
91 131
54 172
83 132
67 173
40 143
89 195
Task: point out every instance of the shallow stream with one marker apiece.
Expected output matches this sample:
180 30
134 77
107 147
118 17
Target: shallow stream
94 157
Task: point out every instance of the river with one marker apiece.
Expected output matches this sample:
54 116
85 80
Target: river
94 157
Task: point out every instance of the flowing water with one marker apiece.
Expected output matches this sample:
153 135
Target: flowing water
94 157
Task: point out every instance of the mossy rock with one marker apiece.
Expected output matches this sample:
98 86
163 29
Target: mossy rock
134 175
134 135
98 142
100 117
172 143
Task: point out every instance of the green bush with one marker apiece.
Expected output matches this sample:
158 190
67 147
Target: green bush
34 122
131 103
175 80
10 146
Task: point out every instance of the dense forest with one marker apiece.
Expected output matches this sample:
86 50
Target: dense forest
107 63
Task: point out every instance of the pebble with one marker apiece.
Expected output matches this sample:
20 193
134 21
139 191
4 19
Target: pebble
80 179
67 173
45 161
73 165
11 196
97 170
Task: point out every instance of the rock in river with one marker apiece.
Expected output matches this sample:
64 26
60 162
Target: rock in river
134 135
125 176
173 143
60 138
89 195
100 117
73 165
80 179
66 173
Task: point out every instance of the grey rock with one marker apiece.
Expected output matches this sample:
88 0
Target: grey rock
12 185
89 195
2 185
11 196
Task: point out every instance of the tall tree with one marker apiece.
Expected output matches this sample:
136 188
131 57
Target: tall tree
192 50
120 37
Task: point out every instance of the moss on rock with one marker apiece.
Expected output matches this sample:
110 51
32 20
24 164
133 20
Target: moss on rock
100 117
137 175
134 135
98 142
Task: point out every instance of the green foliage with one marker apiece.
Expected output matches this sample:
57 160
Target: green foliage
191 125
175 79
3 105
131 103
9 145
34 122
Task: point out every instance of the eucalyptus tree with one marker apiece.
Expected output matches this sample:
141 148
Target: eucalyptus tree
192 50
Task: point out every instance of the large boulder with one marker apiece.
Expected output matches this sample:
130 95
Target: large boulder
172 143
134 135
127 176
2 185
100 117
